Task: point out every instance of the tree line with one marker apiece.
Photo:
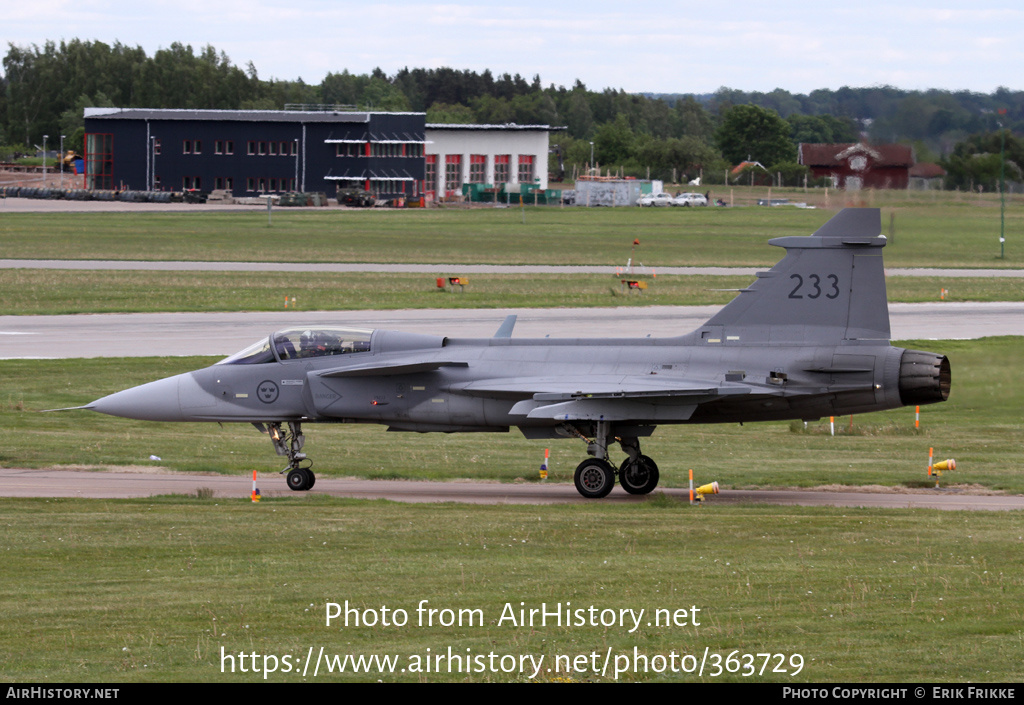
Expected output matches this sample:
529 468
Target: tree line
43 90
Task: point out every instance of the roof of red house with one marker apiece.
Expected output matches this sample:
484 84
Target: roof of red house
927 170
836 154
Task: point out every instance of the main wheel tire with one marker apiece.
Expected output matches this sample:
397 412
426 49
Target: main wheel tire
312 479
594 478
298 480
640 476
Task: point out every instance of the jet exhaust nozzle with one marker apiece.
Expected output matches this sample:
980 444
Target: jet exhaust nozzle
924 378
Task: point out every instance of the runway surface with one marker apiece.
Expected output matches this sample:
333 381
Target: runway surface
16 482
176 334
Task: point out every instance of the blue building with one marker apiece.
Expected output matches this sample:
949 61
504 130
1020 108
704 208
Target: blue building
252 152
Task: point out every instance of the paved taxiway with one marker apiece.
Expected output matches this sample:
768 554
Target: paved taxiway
16 482
160 334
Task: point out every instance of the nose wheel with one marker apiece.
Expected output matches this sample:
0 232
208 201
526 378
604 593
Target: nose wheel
301 479
289 443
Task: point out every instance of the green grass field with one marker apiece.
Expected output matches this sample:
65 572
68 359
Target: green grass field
47 292
154 590
946 234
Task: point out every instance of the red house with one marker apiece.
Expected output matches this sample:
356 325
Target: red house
854 166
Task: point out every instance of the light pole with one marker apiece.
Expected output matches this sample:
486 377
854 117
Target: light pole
62 161
591 155
45 137
1002 190
295 142
152 163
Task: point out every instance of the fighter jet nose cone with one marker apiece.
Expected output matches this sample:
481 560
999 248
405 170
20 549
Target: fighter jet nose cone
156 401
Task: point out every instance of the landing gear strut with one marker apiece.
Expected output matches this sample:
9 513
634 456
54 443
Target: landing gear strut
595 476
290 443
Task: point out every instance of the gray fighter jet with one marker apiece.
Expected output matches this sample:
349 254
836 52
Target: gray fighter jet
809 338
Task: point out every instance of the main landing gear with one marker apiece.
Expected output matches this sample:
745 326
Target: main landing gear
595 476
290 443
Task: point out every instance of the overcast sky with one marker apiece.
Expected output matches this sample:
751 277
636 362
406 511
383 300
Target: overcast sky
663 47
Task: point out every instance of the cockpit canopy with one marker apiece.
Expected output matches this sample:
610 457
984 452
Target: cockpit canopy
295 343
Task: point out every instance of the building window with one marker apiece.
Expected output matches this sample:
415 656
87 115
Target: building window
218 148
263 148
452 173
477 167
273 148
250 184
156 145
251 149
501 174
349 149
229 147
186 147
218 183
229 183
197 147
430 182
525 168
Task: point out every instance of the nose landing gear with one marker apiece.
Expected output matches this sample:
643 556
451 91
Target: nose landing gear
289 443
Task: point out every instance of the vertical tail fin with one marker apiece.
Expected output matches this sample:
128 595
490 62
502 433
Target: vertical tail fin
830 286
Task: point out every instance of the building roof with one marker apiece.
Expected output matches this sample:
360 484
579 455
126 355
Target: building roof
927 170
837 154
509 127
233 115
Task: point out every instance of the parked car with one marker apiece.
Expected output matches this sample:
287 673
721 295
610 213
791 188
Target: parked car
690 199
655 199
